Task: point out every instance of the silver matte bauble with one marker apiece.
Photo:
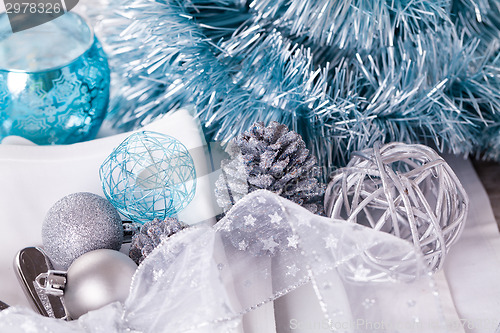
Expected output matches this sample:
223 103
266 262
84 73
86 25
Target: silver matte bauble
96 279
79 223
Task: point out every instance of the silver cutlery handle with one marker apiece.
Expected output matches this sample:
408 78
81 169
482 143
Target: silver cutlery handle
30 263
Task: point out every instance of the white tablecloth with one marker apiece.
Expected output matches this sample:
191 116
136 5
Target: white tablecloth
467 287
472 267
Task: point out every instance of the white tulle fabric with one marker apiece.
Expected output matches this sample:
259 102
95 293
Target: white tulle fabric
205 279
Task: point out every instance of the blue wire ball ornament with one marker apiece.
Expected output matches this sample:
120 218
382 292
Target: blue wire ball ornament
149 175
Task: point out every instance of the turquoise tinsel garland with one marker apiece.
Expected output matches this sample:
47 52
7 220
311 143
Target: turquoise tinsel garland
344 74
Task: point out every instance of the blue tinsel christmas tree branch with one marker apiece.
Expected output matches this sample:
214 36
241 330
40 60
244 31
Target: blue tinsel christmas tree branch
342 74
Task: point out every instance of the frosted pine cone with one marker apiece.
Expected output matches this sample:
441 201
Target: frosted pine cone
151 235
271 158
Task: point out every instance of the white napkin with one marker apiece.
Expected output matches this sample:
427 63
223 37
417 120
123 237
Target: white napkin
33 178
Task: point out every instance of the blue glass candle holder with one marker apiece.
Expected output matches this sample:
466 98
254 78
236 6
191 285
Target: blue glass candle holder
54 81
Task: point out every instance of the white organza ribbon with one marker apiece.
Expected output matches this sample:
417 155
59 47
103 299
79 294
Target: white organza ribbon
206 279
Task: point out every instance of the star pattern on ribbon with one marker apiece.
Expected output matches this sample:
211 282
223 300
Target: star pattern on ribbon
293 241
331 242
225 226
304 222
250 220
275 218
361 273
292 270
368 303
269 244
157 274
243 245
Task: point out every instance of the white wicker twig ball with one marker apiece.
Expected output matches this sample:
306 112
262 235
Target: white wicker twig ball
406 190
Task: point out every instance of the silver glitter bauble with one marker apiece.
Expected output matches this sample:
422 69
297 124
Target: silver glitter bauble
96 279
80 223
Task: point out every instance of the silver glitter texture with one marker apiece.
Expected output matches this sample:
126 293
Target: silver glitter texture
272 158
151 235
80 223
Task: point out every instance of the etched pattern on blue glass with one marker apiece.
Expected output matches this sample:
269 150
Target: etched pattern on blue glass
58 106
